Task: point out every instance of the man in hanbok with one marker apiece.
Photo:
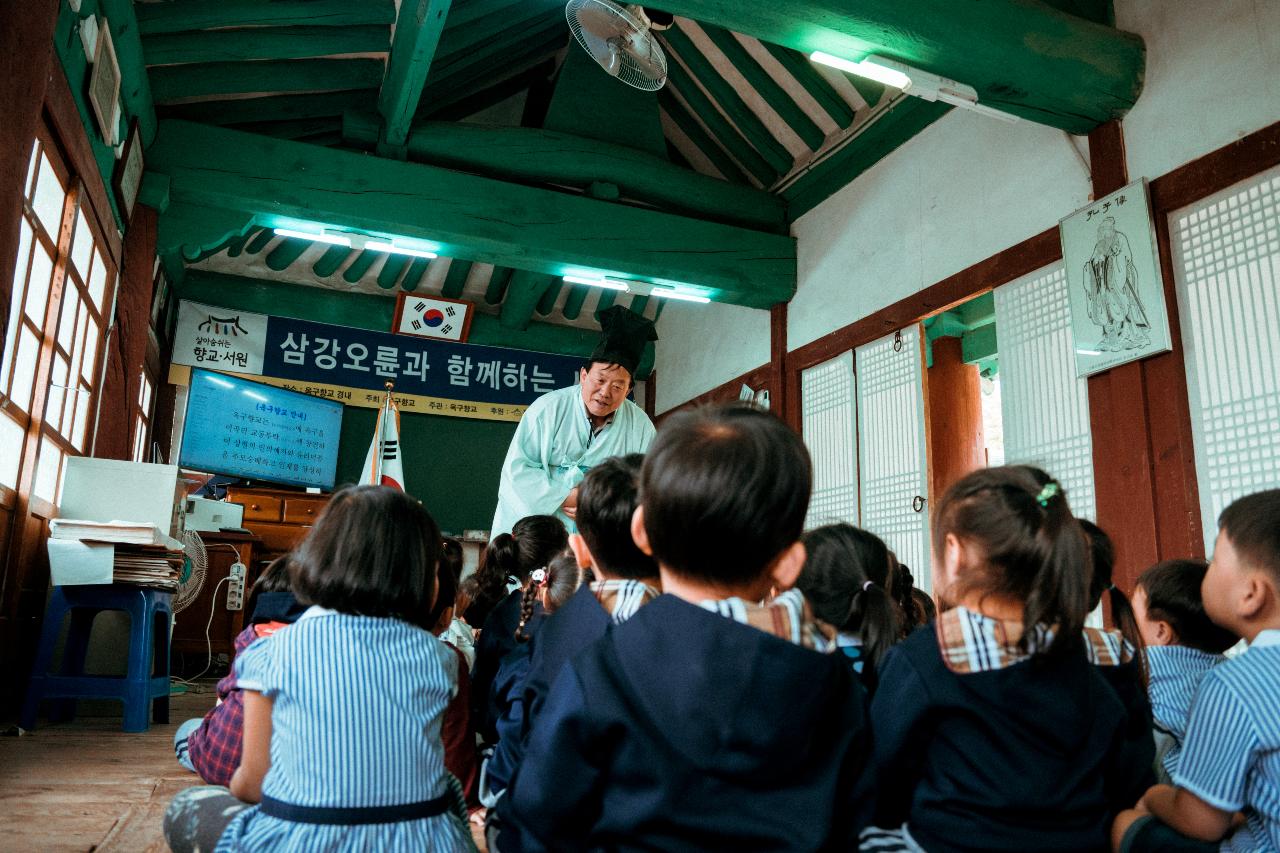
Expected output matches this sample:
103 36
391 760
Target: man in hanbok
564 433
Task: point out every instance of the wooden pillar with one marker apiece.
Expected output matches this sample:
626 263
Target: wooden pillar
779 389
1143 459
127 346
26 49
956 440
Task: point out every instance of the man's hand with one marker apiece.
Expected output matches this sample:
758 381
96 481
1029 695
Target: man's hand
570 505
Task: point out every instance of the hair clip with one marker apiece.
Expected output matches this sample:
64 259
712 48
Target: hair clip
539 576
1050 489
868 585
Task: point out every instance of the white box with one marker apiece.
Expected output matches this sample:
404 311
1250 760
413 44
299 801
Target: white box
112 490
210 516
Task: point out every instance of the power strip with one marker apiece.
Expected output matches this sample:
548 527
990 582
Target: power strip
235 586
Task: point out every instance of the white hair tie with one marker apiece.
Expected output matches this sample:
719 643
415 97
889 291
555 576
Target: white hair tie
868 584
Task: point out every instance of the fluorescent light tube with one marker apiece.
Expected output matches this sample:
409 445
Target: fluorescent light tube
866 68
669 293
594 282
319 237
384 246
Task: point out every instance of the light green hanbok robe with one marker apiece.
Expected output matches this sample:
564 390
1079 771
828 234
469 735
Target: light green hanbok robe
553 449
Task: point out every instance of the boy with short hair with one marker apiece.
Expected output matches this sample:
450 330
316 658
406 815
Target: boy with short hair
1231 756
1181 645
706 720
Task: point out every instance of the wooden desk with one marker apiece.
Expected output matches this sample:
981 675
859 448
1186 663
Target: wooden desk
278 517
223 549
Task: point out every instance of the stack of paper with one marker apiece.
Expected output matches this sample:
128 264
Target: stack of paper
85 552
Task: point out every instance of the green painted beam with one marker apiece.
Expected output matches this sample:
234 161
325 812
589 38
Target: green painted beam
764 84
701 139
455 281
471 11
466 104
574 301
547 303
719 127
391 270
417 272
322 305
176 82
531 155
1022 56
259 241
180 16
270 181
439 97
799 67
980 344
302 128
328 263
876 140
463 38
135 85
413 47
523 295
743 117
271 109
357 268
499 281
263 43
493 56
286 252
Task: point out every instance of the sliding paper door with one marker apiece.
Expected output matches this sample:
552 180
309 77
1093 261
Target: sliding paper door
893 451
829 426
1227 271
1044 405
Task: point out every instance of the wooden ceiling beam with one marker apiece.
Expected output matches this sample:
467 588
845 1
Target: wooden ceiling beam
413 48
743 117
720 128
178 16
1022 56
490 58
263 43
466 103
271 181
523 295
461 39
799 67
276 108
178 82
135 85
455 280
444 95
532 155
774 95
701 139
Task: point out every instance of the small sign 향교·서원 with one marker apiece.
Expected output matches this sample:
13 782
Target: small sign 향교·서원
432 317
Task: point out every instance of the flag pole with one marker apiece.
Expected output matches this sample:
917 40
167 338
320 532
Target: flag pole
382 431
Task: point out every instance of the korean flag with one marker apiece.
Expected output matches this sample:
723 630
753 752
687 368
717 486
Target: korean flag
432 317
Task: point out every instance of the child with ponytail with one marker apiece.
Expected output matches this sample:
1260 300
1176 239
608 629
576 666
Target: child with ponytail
848 579
994 730
501 580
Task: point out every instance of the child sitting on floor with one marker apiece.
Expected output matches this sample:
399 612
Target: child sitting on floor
504 575
1230 761
211 746
994 731
848 579
456 731
1182 644
706 721
342 711
627 578
457 633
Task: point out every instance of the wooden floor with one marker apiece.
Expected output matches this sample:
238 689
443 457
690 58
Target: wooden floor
86 785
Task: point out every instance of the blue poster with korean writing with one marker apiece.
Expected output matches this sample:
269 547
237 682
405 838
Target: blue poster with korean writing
354 365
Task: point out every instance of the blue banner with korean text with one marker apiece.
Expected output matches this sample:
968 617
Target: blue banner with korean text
353 365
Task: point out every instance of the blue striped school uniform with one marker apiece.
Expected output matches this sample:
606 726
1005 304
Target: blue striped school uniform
1174 673
358 705
1231 756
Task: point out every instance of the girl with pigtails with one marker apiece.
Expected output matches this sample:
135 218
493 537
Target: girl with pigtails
997 729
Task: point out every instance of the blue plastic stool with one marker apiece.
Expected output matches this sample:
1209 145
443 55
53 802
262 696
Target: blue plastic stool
146 687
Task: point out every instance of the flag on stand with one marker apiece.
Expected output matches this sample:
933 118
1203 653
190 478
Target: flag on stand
383 465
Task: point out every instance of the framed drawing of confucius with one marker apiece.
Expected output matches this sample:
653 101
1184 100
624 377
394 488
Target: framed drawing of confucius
1113 274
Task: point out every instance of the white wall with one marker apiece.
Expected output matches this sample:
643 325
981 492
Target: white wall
962 190
703 346
1213 76
968 187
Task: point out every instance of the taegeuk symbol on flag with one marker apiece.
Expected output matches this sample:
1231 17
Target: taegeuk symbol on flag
432 317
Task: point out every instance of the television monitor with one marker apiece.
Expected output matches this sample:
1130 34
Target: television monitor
259 432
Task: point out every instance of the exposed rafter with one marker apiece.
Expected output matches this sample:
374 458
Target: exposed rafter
245 179
179 16
413 47
263 43
1022 56
531 155
172 83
